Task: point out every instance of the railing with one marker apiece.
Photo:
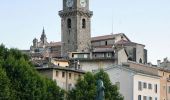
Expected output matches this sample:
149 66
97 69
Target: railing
76 9
95 58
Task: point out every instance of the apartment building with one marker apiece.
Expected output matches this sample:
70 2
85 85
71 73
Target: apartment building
65 78
156 70
135 84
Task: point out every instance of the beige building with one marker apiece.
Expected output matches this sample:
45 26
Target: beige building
108 51
65 78
60 62
163 73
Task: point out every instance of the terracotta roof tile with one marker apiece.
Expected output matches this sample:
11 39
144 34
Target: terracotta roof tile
54 44
105 37
102 37
125 42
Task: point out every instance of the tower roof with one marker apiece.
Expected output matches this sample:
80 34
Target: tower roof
43 35
35 39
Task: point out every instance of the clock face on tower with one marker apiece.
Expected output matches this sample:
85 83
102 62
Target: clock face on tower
69 3
83 3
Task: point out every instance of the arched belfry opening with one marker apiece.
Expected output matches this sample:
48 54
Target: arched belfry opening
140 60
83 23
69 23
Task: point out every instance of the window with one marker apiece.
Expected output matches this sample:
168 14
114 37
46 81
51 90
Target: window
168 89
80 55
83 23
144 98
155 88
72 55
139 97
149 86
69 23
130 58
105 42
140 61
75 76
56 74
150 98
139 86
144 85
63 74
108 55
69 75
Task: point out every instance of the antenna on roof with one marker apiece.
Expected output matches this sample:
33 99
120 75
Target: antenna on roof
112 22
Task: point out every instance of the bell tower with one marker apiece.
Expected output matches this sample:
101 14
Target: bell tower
76 26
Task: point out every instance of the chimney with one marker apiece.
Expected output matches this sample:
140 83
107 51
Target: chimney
159 63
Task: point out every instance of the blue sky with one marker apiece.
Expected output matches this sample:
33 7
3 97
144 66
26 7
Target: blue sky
143 21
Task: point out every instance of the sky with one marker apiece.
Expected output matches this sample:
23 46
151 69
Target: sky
143 21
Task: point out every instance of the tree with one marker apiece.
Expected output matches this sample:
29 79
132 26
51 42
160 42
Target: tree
26 82
85 88
4 85
111 91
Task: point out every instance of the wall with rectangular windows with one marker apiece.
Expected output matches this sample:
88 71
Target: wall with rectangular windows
135 85
146 87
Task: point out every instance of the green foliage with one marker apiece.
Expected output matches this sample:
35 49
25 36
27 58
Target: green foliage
4 85
111 91
85 88
22 81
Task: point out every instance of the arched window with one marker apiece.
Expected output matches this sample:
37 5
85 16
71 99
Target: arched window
140 61
69 23
130 59
83 23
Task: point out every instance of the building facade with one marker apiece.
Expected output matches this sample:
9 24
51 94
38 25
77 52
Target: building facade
134 84
159 71
65 78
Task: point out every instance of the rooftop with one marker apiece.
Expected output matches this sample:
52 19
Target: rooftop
59 68
105 37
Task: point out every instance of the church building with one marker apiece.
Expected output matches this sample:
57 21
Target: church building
78 45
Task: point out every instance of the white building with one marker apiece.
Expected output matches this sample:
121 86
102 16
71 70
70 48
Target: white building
135 84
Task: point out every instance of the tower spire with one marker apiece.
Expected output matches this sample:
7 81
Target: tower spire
43 36
43 32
